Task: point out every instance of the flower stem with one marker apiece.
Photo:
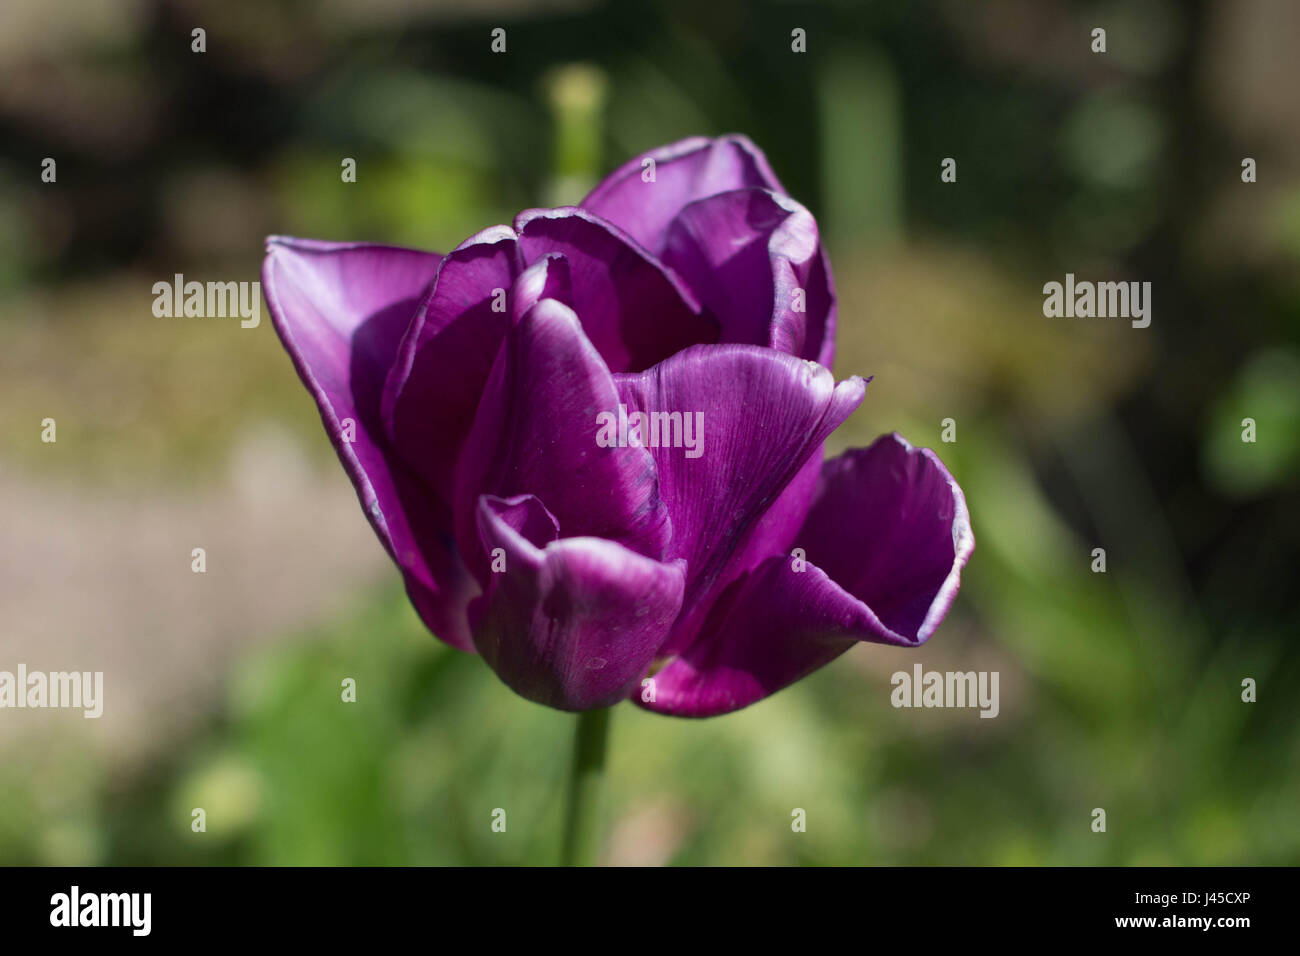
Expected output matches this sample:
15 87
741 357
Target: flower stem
582 813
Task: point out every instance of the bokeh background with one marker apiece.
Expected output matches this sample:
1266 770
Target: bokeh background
1119 690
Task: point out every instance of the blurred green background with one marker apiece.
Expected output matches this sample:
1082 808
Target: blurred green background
1119 690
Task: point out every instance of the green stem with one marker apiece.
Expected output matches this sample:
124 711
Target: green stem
582 813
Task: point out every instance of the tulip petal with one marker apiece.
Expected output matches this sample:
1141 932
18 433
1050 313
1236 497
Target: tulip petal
764 415
768 630
904 502
444 359
683 172
340 309
536 433
547 278
572 623
634 311
889 533
754 259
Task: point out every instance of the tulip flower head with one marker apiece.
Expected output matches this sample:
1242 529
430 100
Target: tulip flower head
592 440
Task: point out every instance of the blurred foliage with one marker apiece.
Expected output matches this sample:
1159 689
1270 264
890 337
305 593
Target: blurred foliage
412 771
1119 690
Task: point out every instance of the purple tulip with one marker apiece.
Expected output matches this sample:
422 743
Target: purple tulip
465 393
